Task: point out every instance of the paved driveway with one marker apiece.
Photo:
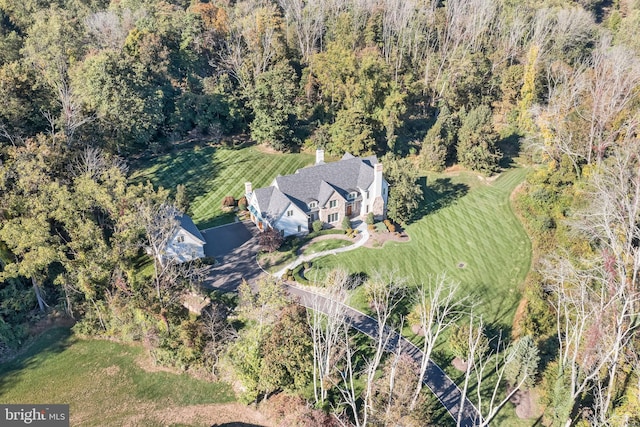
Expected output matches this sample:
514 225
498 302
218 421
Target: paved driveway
234 246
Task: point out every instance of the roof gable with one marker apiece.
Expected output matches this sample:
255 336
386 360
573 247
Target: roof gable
316 183
186 223
313 183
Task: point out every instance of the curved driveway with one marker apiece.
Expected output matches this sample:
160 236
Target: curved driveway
235 249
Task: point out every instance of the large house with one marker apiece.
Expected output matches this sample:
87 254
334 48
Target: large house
351 187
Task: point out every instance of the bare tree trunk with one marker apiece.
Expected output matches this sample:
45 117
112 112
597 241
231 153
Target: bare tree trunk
439 309
36 289
325 332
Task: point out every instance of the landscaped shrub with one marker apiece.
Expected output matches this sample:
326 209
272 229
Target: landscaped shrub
307 265
270 240
228 202
414 318
369 220
242 203
346 224
459 342
390 226
317 225
371 227
298 275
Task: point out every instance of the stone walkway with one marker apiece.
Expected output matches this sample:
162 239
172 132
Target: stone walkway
364 233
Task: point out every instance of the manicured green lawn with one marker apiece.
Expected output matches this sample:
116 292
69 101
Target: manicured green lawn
100 380
210 174
326 245
468 231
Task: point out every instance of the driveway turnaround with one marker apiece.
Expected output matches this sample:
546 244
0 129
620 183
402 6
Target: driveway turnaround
234 247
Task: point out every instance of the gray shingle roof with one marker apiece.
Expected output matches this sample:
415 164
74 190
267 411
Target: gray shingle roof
271 202
320 181
187 224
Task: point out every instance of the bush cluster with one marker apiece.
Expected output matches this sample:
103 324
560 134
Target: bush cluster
317 225
228 202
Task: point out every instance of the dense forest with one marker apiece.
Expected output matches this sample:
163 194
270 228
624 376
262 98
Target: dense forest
86 86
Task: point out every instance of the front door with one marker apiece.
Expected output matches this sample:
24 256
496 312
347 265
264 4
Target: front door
348 210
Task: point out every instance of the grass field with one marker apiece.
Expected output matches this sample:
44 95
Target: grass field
210 174
468 231
326 245
101 381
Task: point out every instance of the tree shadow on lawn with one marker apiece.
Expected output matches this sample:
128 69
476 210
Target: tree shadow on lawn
494 311
194 169
438 193
510 148
52 341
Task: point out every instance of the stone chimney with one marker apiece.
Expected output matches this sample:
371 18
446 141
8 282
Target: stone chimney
248 188
319 157
377 180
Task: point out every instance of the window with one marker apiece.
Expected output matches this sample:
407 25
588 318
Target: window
367 209
333 217
290 213
333 204
352 195
180 239
366 195
299 228
313 205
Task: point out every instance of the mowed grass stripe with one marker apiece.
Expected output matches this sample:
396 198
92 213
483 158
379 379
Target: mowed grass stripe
210 174
477 229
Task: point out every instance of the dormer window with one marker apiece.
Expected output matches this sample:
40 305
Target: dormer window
352 195
180 239
313 205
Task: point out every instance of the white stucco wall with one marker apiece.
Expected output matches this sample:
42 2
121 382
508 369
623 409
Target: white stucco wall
368 202
188 250
290 223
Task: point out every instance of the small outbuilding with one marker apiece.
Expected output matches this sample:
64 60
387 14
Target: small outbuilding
187 243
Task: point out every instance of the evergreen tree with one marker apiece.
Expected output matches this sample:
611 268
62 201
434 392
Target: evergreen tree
405 192
477 141
524 363
273 103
